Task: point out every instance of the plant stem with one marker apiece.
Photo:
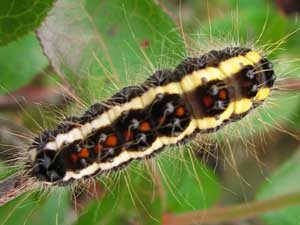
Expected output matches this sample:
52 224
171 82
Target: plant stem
233 213
289 84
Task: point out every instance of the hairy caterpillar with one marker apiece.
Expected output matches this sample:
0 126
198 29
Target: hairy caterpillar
199 96
77 164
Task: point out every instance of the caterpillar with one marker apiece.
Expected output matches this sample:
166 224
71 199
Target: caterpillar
203 94
200 95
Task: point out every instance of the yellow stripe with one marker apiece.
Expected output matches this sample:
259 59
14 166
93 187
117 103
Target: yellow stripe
242 106
190 82
150 95
253 56
262 94
194 80
213 122
173 140
173 88
234 65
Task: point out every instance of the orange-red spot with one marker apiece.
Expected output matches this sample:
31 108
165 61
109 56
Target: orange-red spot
84 153
128 135
111 140
222 94
145 126
98 148
207 101
180 111
74 157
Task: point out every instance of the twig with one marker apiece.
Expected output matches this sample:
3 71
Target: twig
290 84
233 213
175 19
167 11
13 186
31 94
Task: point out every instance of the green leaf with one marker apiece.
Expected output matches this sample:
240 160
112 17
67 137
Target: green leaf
189 184
283 181
12 213
134 196
33 208
144 196
20 61
54 211
237 24
19 17
103 211
18 210
116 40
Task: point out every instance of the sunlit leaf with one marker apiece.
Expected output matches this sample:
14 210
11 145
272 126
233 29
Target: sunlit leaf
117 40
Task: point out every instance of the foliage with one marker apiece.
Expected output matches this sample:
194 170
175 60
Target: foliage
18 18
99 46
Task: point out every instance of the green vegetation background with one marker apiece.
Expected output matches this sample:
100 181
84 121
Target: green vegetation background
118 39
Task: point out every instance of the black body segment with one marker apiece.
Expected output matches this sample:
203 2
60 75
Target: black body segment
136 130
169 115
213 98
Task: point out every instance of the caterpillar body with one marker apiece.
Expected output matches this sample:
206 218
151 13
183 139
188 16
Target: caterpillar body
200 95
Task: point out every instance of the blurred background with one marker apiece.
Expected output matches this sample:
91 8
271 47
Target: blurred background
86 48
